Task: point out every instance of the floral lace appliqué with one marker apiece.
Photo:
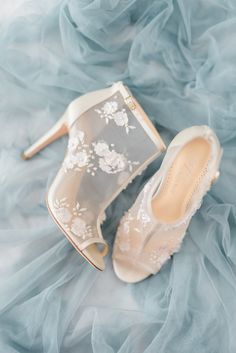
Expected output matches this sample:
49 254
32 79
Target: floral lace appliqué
109 111
111 161
98 155
159 256
61 210
81 229
71 218
79 155
123 234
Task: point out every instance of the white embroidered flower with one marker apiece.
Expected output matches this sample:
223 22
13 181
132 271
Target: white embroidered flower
112 163
104 167
159 256
73 143
110 107
116 160
110 112
101 148
83 155
79 228
81 159
80 135
75 132
143 216
121 118
63 215
69 162
78 210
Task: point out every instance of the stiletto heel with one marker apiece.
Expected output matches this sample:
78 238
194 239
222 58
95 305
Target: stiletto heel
107 132
57 131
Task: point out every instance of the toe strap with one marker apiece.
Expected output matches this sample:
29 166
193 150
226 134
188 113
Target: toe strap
137 263
150 262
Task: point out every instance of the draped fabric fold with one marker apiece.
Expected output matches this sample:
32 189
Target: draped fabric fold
178 58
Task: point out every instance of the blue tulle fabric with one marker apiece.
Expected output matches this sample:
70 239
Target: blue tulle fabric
178 58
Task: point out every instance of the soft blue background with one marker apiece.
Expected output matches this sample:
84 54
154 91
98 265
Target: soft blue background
179 59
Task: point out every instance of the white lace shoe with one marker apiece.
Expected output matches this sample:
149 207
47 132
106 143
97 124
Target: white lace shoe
107 131
154 227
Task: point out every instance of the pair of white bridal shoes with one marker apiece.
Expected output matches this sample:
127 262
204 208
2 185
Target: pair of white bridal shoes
111 141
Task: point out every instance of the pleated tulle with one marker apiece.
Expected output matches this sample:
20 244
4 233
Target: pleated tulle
178 58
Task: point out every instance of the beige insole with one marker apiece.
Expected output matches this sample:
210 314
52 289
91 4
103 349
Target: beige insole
181 180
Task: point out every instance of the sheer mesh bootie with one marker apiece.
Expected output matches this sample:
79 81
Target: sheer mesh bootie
154 227
111 140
